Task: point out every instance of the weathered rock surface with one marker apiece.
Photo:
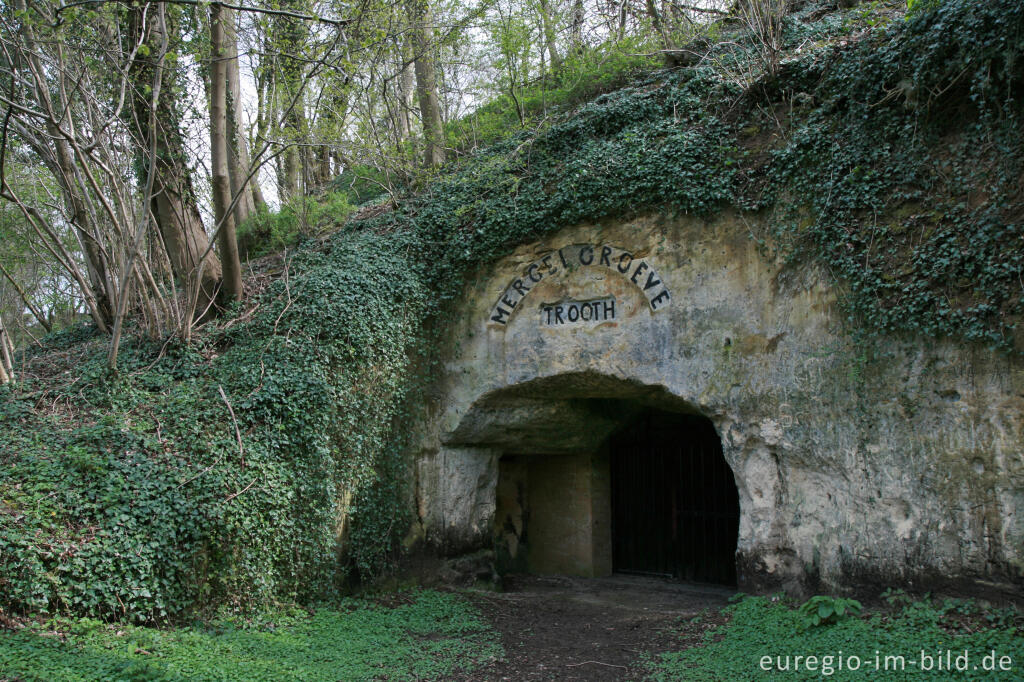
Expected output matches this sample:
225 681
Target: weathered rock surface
904 470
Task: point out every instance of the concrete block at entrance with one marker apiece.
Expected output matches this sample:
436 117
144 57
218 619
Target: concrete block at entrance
553 515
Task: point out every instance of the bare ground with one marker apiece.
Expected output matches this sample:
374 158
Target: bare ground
559 628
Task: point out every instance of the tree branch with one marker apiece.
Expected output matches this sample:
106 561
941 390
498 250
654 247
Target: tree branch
240 8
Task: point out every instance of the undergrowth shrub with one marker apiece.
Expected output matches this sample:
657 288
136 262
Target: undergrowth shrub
267 231
825 610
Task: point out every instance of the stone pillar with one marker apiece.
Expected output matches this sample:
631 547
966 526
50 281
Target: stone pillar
568 528
456 498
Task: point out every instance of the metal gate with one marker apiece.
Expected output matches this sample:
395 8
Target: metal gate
675 509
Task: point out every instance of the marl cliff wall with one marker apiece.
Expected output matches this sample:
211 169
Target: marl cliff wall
897 466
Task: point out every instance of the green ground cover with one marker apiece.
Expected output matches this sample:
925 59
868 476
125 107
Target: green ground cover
919 631
427 636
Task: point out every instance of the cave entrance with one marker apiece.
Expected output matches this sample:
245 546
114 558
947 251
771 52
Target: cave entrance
589 485
674 504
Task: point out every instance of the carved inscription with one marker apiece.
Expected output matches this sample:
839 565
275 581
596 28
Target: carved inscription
637 270
594 311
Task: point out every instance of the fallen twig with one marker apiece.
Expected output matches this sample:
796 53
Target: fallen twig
238 434
234 495
610 665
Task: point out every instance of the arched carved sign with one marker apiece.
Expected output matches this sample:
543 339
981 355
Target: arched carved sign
568 258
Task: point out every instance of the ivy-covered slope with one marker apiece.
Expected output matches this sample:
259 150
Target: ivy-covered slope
217 474
213 474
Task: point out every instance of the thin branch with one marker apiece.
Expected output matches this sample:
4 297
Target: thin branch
240 8
701 10
238 434
234 495
25 299
610 665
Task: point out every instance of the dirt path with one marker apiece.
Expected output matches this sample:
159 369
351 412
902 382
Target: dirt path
587 629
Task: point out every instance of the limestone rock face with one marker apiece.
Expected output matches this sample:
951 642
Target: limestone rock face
901 466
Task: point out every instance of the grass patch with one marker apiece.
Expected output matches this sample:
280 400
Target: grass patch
304 217
760 626
581 77
429 636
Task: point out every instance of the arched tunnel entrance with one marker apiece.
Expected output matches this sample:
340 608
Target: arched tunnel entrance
597 475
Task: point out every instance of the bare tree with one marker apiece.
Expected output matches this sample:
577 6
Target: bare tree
173 198
222 198
247 191
765 18
94 128
53 142
421 19
103 185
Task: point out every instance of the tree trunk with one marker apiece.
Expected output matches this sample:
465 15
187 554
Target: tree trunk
324 165
100 279
264 114
238 146
426 82
406 90
288 38
547 24
576 27
291 161
659 24
173 204
232 284
6 359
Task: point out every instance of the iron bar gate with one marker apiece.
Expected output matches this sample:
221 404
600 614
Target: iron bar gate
675 508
